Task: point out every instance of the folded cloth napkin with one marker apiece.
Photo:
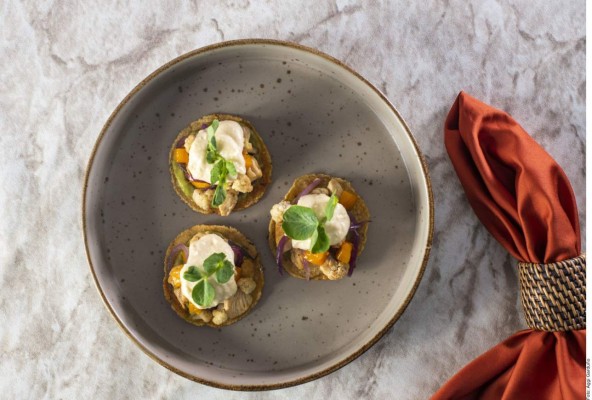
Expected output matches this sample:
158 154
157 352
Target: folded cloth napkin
526 202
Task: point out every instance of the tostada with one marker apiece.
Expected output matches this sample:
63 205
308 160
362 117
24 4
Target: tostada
319 229
219 164
212 275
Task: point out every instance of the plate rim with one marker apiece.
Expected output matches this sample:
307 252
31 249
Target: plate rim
379 334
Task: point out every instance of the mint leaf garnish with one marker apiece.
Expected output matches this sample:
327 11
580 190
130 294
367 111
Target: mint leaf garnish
322 243
203 293
192 274
225 272
300 223
330 210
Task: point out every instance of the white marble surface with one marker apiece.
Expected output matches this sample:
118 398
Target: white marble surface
66 65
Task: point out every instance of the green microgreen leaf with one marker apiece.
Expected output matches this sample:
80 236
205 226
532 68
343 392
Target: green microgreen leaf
218 173
231 169
330 209
300 223
203 293
322 243
211 156
215 124
192 274
314 237
213 262
219 196
225 272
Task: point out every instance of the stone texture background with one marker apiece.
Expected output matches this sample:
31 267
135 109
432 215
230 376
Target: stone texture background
66 66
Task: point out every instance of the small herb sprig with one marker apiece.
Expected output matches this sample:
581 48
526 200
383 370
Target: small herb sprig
301 223
203 292
222 169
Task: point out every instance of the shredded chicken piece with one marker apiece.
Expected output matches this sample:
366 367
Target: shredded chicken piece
335 187
254 171
297 257
238 304
247 134
203 198
179 296
229 202
246 285
320 191
188 142
242 184
278 210
247 267
334 269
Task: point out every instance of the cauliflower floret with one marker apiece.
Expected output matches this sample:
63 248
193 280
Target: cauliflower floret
278 210
206 315
219 317
246 285
242 184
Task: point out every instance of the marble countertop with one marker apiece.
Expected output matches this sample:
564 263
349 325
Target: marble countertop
68 64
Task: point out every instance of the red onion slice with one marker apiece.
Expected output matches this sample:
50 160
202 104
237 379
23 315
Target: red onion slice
354 253
175 251
181 143
239 254
307 189
358 225
279 254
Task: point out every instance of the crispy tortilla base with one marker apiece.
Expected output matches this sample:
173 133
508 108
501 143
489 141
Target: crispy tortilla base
262 156
359 211
231 234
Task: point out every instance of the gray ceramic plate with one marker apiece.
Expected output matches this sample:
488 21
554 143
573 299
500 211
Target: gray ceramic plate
315 115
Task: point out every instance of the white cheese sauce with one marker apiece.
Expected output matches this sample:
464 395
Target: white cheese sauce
230 141
336 228
199 250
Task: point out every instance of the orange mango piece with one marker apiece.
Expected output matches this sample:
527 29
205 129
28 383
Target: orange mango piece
200 184
348 199
316 258
181 156
344 253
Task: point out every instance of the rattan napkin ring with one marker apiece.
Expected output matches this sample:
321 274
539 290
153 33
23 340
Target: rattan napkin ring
554 295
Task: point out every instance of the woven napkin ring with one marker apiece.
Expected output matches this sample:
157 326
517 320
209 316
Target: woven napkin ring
554 295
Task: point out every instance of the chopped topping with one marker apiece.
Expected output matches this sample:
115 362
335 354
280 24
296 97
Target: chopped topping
175 276
200 184
335 187
316 259
278 210
181 156
219 317
348 199
247 285
344 253
194 310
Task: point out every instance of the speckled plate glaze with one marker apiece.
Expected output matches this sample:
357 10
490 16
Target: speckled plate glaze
315 115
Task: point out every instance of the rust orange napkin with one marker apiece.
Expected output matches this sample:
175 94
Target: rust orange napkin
526 202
